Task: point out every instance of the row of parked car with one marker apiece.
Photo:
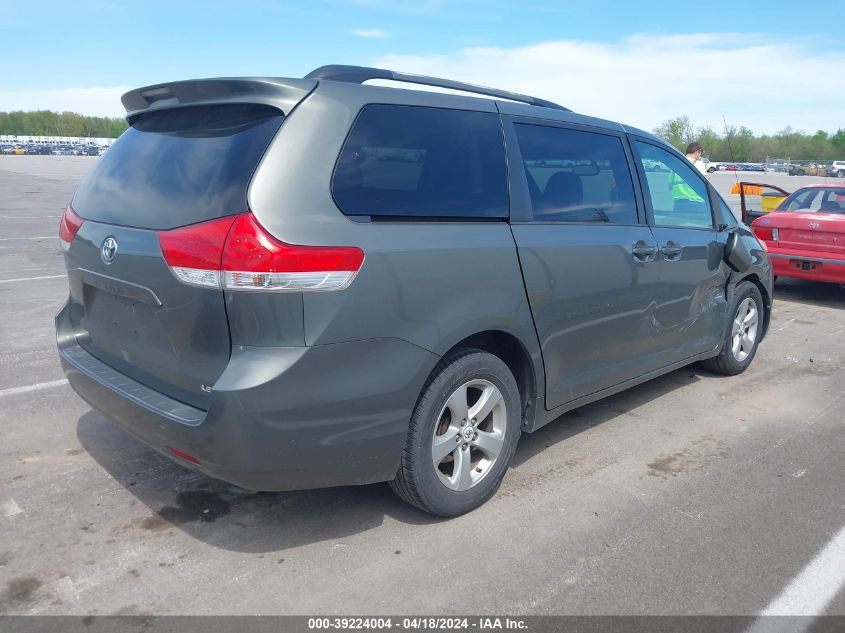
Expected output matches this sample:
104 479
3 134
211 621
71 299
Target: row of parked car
835 168
55 150
713 166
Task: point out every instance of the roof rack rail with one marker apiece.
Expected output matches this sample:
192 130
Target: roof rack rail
360 74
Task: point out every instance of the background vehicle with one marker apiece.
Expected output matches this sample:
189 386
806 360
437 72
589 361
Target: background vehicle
837 168
396 298
805 235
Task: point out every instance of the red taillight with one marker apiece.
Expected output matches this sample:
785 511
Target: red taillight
69 225
762 232
237 253
194 252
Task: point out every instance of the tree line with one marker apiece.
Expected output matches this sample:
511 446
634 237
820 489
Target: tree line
738 144
49 123
741 144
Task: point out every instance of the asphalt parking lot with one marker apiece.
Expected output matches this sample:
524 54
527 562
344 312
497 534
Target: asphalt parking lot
691 494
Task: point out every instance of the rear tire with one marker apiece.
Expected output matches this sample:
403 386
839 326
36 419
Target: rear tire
462 435
742 333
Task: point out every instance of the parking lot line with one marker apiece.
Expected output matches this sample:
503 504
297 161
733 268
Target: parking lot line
39 385
811 591
8 281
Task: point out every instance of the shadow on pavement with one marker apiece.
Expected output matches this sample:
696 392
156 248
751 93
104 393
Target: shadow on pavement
230 518
226 516
587 417
810 292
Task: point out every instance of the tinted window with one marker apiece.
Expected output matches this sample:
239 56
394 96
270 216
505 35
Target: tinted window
422 162
576 176
677 191
177 167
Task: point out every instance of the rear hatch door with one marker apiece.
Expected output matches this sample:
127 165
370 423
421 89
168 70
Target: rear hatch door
172 168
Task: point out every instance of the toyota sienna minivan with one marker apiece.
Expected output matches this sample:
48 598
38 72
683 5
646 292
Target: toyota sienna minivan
298 283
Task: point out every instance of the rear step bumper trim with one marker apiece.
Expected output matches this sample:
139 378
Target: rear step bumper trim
818 260
130 389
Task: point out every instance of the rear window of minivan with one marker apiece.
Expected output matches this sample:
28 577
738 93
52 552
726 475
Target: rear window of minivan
422 162
179 166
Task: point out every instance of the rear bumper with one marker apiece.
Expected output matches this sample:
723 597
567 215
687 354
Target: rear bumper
283 418
816 267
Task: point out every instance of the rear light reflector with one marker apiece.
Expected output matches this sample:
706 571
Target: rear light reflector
775 234
237 253
69 225
183 455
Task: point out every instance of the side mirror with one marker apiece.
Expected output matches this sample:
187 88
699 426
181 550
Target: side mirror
737 253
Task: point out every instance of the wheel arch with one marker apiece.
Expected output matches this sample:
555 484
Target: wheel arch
754 278
521 362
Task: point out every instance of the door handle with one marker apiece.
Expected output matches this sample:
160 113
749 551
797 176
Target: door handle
671 250
643 251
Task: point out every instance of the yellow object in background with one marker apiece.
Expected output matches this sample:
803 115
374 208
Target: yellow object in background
770 201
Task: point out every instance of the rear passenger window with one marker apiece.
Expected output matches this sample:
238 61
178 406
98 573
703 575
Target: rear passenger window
422 162
576 176
677 191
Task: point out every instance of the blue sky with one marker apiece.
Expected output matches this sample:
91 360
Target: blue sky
640 62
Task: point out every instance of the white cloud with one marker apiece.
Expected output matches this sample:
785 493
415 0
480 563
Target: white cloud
369 33
641 80
87 101
644 79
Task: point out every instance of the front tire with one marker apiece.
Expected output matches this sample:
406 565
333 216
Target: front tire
743 332
462 435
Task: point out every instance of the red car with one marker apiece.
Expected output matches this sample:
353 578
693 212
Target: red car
805 234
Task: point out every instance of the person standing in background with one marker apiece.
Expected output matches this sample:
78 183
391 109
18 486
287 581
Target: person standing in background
694 152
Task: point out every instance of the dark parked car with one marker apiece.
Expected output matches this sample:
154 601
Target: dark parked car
295 283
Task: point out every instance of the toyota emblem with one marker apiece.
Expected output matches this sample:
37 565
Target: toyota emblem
109 249
814 225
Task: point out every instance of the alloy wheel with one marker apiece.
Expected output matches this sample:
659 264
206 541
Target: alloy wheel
744 329
469 434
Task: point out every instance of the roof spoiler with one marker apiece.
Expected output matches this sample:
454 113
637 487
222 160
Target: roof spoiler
360 74
282 93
